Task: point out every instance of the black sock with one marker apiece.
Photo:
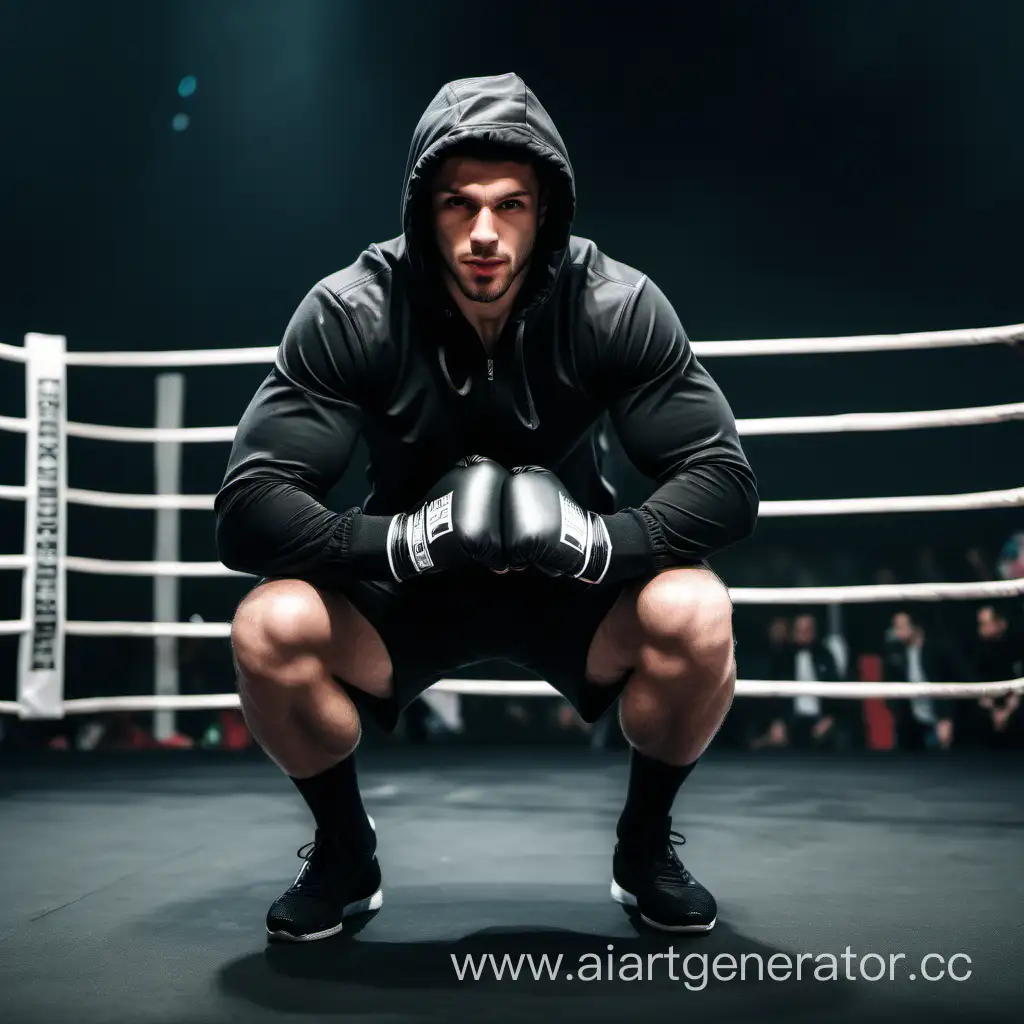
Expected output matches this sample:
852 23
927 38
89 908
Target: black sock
333 797
653 786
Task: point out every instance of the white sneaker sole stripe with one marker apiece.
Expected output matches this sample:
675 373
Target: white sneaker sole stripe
373 902
627 899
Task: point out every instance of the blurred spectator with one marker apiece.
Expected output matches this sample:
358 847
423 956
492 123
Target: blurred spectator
997 654
761 720
926 565
749 717
976 566
778 648
911 658
1011 558
809 722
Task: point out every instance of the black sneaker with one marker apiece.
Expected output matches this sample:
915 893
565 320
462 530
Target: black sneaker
648 874
332 884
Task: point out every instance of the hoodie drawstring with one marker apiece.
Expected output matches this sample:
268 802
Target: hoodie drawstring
466 388
531 422
520 386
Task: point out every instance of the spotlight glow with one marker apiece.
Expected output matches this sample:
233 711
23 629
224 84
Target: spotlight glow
180 122
187 86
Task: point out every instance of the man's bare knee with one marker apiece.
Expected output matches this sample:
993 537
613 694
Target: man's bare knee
278 628
288 632
686 616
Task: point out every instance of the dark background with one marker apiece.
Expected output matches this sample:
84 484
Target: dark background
798 168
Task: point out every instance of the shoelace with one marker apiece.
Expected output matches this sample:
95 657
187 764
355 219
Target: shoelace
302 882
672 870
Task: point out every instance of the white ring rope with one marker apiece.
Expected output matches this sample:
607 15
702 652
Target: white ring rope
1010 498
761 688
207 630
13 425
539 688
110 499
773 426
877 592
13 353
186 357
849 422
1008 335
111 567
863 594
103 432
838 423
740 595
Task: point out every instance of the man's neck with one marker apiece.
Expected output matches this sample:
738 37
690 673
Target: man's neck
488 327
488 319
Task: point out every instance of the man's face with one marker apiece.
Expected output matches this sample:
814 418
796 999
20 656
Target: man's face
902 628
486 217
990 625
804 631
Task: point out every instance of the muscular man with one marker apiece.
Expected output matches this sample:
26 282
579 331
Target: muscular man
480 355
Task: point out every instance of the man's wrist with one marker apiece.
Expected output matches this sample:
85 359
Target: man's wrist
365 548
633 552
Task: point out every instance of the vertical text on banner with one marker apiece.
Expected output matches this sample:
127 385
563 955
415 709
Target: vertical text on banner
41 656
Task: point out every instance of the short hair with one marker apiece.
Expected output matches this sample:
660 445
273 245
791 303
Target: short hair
494 151
490 151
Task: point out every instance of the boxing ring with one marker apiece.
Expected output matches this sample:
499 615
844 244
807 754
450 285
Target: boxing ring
44 561
135 886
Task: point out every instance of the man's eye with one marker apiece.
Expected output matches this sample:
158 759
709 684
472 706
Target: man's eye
512 204
456 201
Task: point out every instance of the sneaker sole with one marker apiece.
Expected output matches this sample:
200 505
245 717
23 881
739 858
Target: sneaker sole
373 902
627 899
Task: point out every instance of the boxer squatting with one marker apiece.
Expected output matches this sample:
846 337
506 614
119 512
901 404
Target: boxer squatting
482 356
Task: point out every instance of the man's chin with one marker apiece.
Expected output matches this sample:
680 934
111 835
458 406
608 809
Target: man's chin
484 293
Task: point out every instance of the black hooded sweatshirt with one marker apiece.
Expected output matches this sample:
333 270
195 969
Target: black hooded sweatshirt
380 351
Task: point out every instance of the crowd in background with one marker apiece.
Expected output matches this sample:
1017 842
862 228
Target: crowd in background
796 649
926 642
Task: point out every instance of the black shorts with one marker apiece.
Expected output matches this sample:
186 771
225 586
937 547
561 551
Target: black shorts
439 625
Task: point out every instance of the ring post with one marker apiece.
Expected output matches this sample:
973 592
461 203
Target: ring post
43 602
170 405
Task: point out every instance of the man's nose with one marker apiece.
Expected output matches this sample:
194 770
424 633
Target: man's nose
483 232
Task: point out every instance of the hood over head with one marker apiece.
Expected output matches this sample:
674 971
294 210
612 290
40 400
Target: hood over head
496 109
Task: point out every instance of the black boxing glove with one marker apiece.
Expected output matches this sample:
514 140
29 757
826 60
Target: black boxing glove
458 523
543 527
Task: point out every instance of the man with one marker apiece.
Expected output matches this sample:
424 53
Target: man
479 354
909 658
997 654
809 721
768 715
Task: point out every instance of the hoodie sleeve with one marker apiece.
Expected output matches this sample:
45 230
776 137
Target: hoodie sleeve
292 445
677 428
